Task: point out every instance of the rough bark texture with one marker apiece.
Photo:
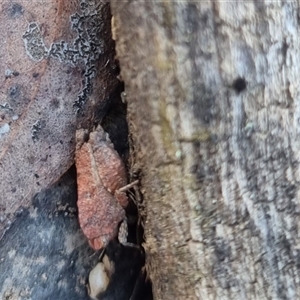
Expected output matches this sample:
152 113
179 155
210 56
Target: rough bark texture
213 97
57 72
52 54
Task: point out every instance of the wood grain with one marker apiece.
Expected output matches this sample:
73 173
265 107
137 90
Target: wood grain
220 163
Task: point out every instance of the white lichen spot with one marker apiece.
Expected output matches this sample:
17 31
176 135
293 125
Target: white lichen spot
34 44
72 241
60 265
41 260
4 129
33 212
8 73
25 293
11 253
44 277
85 50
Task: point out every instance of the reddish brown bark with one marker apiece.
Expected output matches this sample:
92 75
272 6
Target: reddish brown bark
100 173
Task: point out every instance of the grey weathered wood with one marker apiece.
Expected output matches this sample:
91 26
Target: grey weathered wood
220 168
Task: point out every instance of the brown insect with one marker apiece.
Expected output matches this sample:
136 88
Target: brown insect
101 175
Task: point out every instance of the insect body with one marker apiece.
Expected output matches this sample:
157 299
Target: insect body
100 175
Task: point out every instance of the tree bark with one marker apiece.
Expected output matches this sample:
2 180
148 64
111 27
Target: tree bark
57 74
54 57
212 90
